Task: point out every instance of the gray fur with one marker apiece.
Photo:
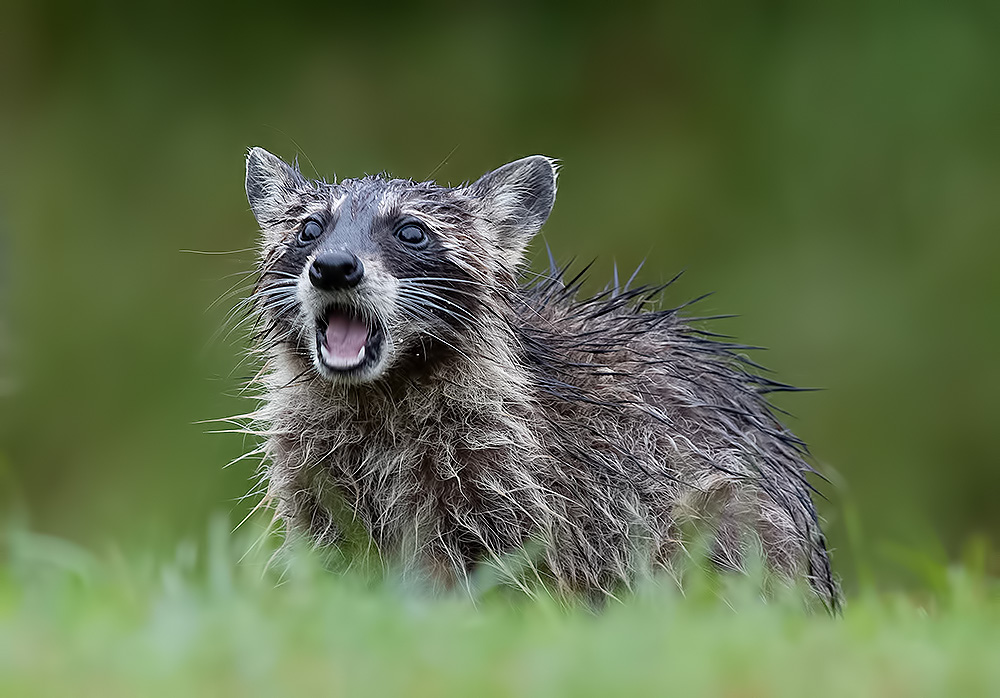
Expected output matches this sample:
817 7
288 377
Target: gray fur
501 417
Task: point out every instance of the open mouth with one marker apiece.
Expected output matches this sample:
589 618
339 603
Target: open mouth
345 342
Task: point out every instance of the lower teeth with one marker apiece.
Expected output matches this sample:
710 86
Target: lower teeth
340 362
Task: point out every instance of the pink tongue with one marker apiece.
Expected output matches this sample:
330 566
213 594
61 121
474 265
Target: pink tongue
344 336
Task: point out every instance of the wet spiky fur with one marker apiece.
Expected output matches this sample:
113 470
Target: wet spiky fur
509 417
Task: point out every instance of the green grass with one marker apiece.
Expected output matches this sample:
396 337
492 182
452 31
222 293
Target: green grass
207 624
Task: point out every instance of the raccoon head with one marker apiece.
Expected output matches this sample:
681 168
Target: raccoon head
363 279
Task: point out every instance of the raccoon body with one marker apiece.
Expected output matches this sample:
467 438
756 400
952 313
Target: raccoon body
414 388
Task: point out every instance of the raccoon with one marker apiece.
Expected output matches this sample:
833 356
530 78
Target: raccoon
414 387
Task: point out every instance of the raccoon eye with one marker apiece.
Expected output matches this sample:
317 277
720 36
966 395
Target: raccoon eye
310 231
412 234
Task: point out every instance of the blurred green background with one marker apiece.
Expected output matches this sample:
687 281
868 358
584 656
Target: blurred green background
833 173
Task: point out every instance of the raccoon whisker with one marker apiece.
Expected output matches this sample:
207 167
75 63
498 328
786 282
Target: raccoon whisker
279 274
276 307
242 274
270 282
270 289
255 284
470 291
270 330
279 308
474 301
462 323
283 290
257 310
415 291
265 305
412 299
232 327
245 305
239 287
449 279
247 355
217 252
229 327
423 306
291 283
466 292
409 307
456 312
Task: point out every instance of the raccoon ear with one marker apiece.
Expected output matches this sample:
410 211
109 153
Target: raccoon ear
270 184
517 198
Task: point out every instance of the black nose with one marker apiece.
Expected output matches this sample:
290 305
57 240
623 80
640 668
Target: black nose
336 271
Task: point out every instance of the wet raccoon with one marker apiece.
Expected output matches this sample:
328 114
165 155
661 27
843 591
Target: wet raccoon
413 387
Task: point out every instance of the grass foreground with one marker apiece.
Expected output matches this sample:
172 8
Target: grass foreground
208 624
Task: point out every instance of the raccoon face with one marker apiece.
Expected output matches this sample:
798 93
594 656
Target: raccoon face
369 278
